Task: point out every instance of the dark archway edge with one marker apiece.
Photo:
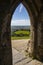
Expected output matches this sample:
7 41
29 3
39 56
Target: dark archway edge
6 10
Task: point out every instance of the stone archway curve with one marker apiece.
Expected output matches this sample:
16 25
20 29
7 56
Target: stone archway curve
31 18
7 29
33 13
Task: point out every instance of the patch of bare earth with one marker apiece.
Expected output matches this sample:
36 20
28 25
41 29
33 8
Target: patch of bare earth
19 45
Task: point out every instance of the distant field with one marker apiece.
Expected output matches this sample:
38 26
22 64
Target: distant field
15 38
20 34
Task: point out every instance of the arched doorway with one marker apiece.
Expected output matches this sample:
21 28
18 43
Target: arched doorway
7 28
20 33
32 18
32 31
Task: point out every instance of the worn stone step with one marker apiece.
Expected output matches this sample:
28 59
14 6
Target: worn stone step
18 57
24 61
14 52
34 62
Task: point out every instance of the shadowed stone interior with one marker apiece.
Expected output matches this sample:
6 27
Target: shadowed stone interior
35 10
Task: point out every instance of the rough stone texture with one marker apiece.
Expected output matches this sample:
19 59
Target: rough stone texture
35 9
40 35
34 62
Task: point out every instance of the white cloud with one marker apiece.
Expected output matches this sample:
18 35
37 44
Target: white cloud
20 22
21 6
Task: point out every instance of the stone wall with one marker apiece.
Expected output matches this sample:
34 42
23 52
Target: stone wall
40 35
35 10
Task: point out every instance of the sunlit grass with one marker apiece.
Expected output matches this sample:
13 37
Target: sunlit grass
22 31
20 34
15 38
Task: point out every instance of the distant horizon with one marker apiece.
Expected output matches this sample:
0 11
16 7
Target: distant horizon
20 25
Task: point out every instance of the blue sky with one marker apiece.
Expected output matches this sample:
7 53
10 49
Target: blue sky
20 16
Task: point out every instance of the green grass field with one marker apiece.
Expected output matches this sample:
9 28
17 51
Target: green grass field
23 34
15 38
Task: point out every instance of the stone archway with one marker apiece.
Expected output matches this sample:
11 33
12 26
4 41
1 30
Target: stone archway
7 29
36 17
33 18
